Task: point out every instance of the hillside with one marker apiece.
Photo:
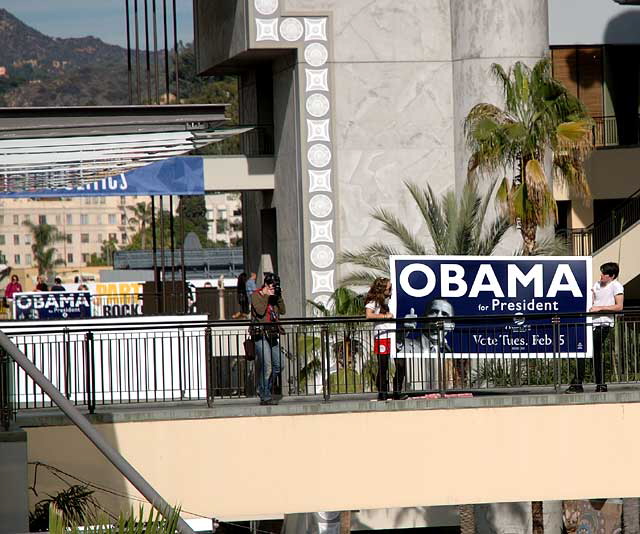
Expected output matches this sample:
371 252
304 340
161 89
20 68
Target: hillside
38 70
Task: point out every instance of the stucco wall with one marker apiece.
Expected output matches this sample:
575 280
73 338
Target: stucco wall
265 465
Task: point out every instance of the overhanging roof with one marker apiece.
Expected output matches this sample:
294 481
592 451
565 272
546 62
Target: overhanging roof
69 146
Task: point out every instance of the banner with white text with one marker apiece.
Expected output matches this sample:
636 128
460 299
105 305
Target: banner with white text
484 290
51 305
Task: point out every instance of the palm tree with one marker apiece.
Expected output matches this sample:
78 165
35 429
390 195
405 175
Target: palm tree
540 117
142 217
44 253
457 226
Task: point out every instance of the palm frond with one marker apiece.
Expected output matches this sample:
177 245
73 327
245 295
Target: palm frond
394 226
360 278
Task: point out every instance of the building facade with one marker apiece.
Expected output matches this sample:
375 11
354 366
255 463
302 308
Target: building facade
355 97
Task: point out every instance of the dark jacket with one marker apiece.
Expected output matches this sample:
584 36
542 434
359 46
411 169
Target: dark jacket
261 312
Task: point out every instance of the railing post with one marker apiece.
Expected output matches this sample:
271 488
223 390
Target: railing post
66 342
208 355
89 373
326 365
6 410
555 329
442 367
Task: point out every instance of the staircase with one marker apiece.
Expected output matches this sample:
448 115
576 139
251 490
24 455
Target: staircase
617 238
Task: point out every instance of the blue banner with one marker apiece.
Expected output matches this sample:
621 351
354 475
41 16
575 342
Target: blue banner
51 305
173 176
445 287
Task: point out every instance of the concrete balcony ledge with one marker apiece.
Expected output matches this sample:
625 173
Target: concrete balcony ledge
304 406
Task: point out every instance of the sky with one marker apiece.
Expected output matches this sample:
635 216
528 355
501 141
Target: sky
101 18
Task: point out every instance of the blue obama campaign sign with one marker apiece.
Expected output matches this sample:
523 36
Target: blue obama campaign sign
51 305
486 306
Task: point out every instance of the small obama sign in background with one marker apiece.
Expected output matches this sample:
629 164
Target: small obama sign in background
486 307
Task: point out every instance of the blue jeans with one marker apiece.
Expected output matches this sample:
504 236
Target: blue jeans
268 354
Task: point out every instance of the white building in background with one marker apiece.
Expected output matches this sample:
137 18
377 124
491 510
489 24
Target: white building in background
87 223
224 214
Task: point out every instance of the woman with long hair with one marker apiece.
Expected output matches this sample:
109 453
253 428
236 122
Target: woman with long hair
377 307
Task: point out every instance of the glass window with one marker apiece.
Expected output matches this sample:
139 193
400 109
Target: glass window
99 218
27 240
16 219
27 217
69 218
123 238
16 239
99 238
84 218
69 258
16 259
58 219
112 218
2 240
85 258
84 238
87 200
1 219
69 239
123 219
113 237
123 201
42 219
27 259
103 200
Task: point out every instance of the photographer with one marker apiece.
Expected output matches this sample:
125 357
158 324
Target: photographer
267 305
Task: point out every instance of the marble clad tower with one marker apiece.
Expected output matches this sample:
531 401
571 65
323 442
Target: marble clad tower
363 95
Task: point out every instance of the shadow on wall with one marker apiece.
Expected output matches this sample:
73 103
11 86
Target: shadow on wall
622 72
68 458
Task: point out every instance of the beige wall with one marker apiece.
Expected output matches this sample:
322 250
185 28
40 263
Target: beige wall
623 250
261 466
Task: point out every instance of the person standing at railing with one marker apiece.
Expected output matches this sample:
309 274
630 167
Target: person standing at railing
267 305
377 307
608 295
243 297
12 287
41 285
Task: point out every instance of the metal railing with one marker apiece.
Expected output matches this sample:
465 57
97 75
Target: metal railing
610 131
6 390
96 365
586 241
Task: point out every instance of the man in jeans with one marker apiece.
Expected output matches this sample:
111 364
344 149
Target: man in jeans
267 305
608 295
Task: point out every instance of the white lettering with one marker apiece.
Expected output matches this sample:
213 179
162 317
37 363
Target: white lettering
452 275
564 272
492 285
515 276
417 292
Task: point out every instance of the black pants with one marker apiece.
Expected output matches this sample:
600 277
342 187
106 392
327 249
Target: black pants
382 378
600 336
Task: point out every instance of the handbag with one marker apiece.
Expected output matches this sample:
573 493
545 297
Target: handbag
249 349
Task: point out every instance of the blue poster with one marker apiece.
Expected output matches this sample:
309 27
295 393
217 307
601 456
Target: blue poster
491 307
173 176
51 305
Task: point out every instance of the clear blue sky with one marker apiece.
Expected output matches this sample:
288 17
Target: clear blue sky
101 18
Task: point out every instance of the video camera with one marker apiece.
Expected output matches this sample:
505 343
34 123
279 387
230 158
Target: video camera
272 279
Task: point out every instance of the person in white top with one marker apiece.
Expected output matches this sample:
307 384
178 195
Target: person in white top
608 295
377 307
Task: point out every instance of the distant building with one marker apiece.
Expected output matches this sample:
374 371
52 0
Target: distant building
224 215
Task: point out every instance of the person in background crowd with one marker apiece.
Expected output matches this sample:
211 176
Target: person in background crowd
242 296
83 287
207 284
57 285
40 284
608 295
251 285
12 287
377 307
267 305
